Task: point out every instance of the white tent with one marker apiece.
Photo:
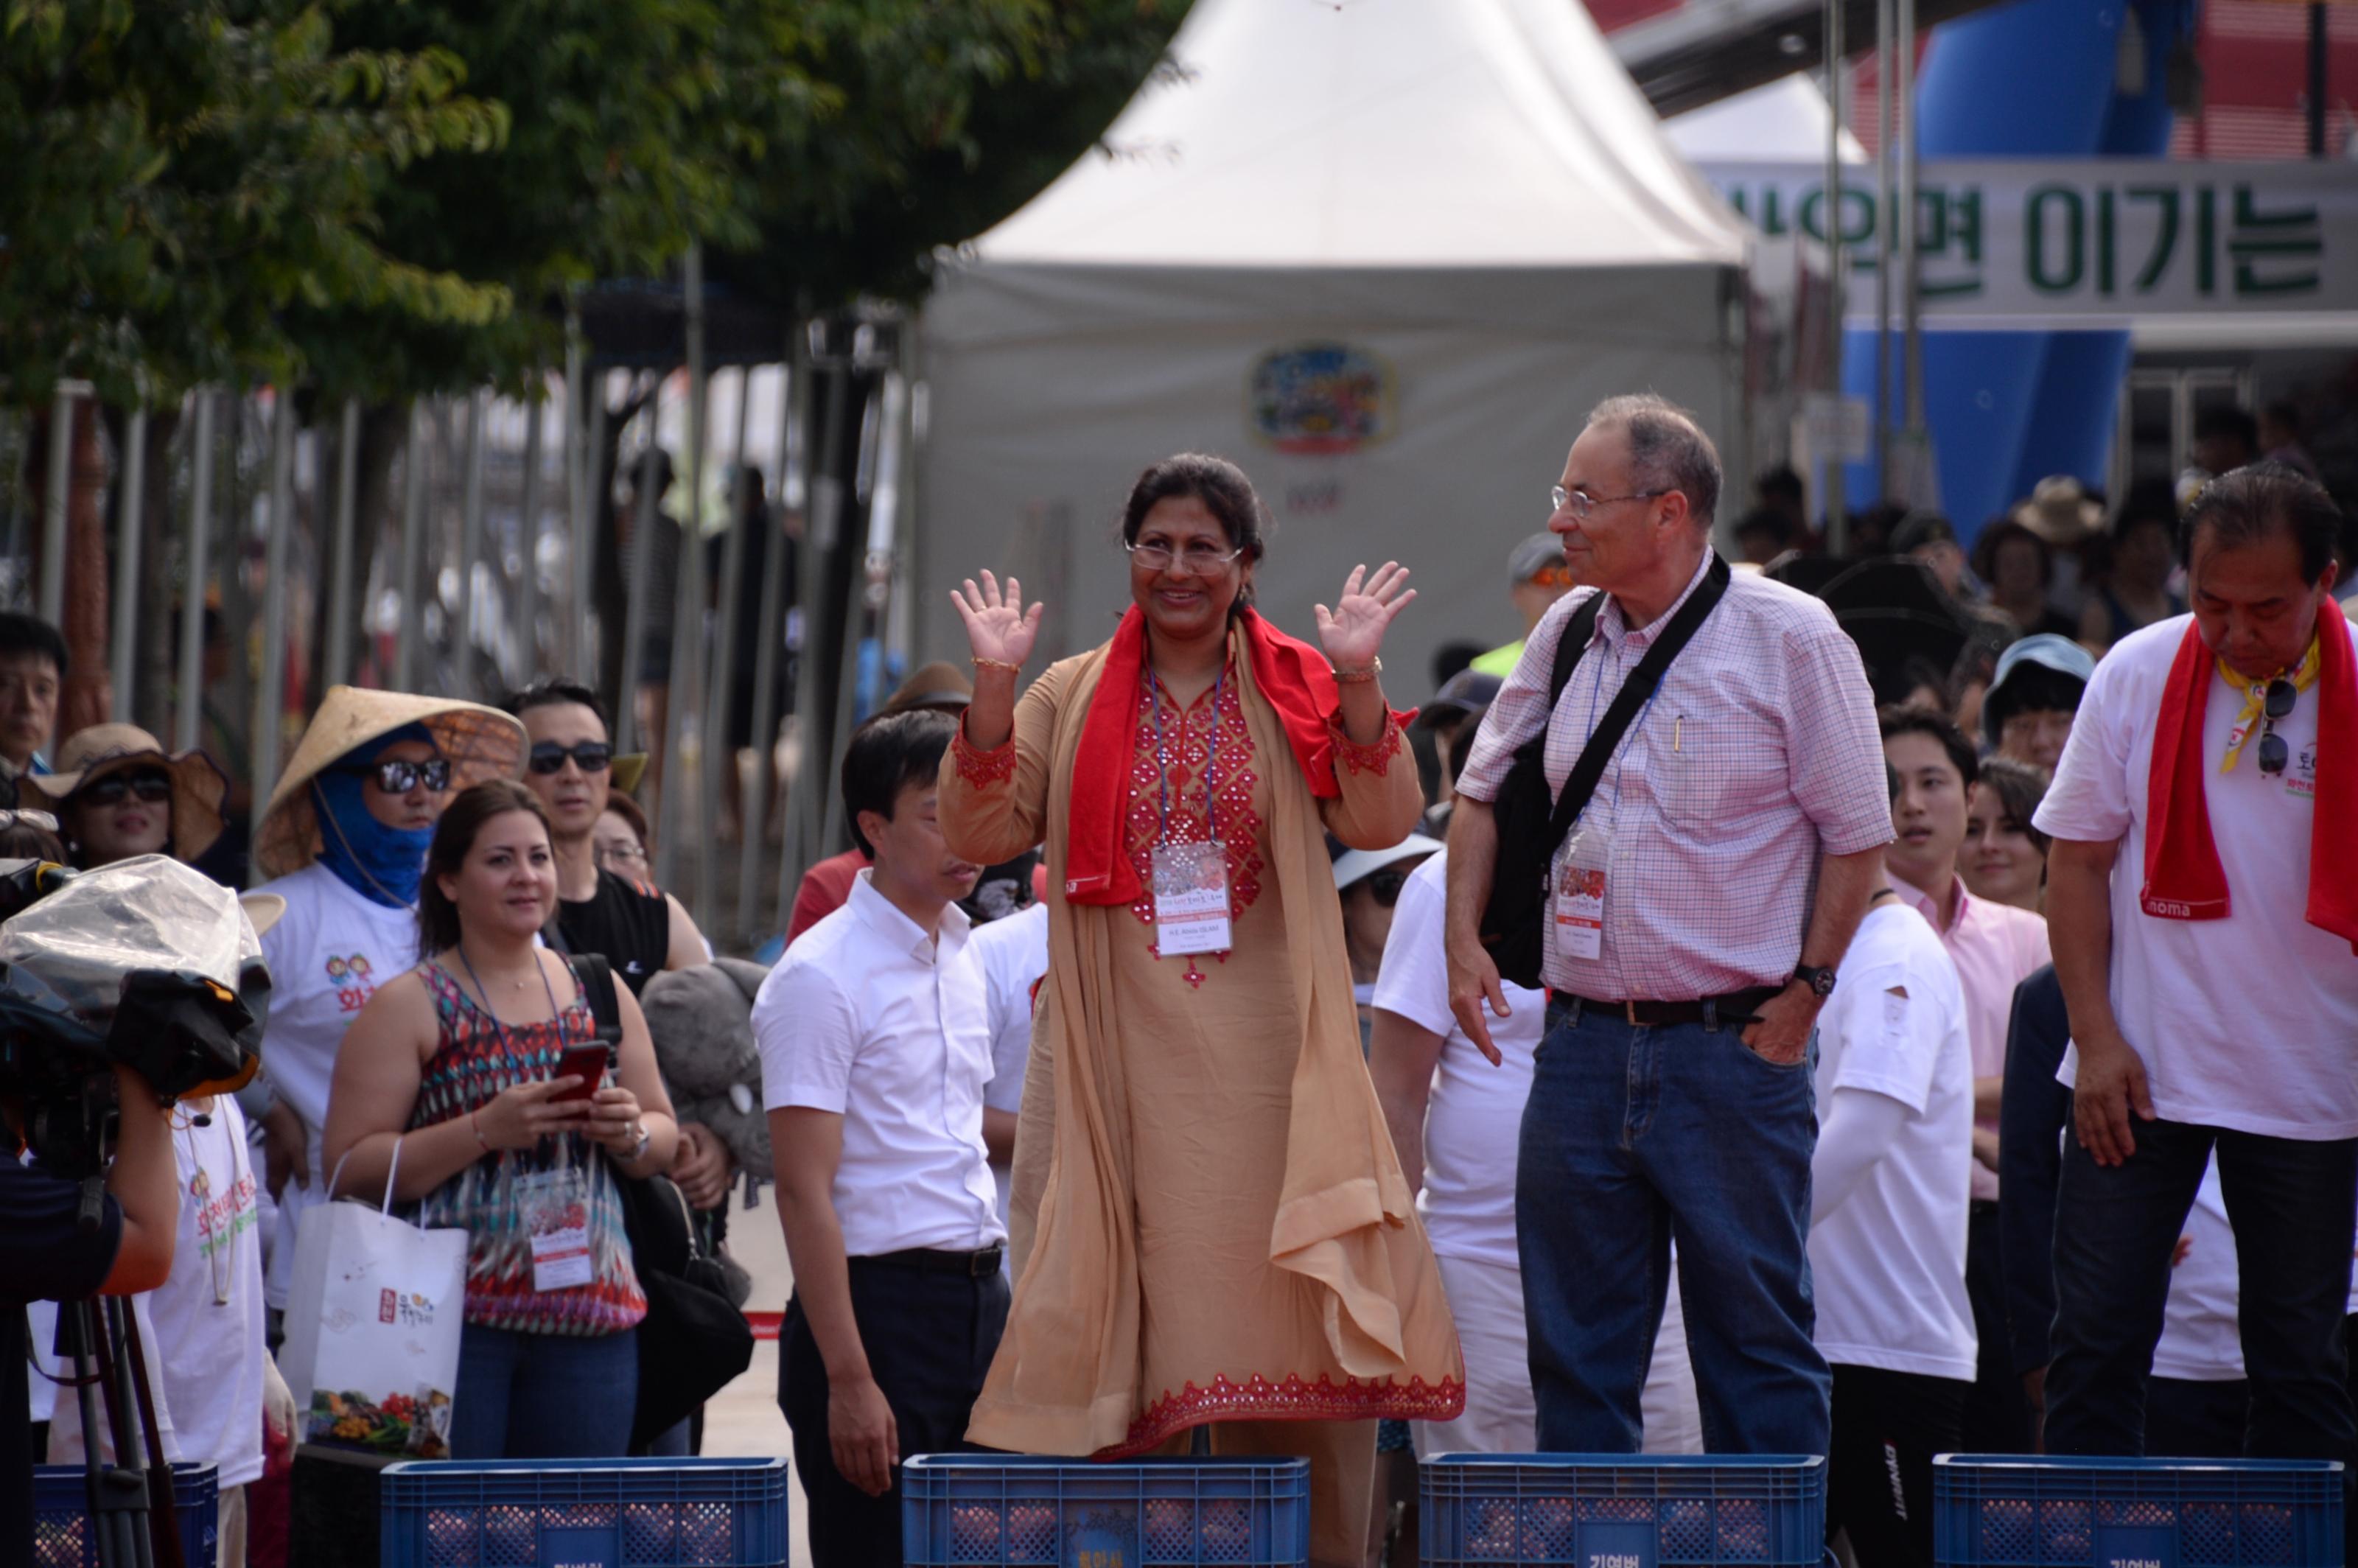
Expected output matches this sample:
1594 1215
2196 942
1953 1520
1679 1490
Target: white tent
1385 254
1784 121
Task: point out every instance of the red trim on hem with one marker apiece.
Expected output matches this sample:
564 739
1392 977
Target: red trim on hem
1290 1398
1376 758
981 769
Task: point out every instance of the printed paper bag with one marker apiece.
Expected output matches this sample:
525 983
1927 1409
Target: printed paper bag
373 1314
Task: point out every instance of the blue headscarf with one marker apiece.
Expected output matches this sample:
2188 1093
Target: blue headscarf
383 865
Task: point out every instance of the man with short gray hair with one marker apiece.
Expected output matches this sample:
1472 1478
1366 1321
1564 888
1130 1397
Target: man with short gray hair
1695 914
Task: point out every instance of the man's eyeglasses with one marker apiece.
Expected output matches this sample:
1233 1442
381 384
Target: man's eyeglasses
152 786
1580 503
589 756
400 776
2275 705
1156 556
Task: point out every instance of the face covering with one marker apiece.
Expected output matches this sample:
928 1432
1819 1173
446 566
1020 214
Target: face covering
383 865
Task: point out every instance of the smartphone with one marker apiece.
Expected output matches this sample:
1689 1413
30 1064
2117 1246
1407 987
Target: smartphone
587 1063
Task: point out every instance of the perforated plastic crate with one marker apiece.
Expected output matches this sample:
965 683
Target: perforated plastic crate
1999 1511
584 1513
1614 1510
63 1536
1068 1513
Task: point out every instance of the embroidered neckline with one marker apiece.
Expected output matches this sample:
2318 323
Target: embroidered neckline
1187 738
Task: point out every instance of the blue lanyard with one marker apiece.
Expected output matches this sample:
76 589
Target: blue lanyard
557 1012
1163 757
1620 761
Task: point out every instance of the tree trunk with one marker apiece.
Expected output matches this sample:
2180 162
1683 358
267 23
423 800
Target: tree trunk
163 566
87 694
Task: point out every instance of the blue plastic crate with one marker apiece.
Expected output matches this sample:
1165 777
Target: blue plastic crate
584 1513
1068 1513
1998 1511
1618 1510
62 1537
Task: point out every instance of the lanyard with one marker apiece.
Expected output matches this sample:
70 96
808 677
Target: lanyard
1163 757
555 1013
1620 760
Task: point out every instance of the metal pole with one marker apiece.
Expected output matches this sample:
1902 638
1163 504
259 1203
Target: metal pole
1837 519
413 552
574 645
337 666
2320 82
769 640
129 493
528 581
1882 246
1911 291
720 758
807 804
855 616
642 556
52 605
686 698
188 714
270 701
471 542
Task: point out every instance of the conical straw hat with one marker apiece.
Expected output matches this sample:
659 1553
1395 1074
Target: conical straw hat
480 742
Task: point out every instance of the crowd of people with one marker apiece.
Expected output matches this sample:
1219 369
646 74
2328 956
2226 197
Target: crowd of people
1681 1034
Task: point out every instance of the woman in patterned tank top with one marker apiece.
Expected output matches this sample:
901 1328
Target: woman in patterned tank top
455 1063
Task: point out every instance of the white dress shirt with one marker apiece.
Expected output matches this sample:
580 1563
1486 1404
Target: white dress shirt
867 1017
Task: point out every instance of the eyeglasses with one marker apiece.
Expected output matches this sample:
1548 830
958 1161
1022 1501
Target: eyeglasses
153 785
13 817
615 856
399 777
1156 556
589 756
1580 503
2275 705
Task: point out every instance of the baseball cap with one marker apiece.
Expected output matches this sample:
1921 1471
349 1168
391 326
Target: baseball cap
1534 555
2019 665
1467 691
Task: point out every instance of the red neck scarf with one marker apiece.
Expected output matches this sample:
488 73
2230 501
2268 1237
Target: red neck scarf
2183 879
1292 676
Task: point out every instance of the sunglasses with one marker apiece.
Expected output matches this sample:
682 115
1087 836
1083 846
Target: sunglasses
2277 704
1385 885
589 756
152 786
400 777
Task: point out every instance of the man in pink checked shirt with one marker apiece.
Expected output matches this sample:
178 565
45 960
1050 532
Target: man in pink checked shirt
1739 826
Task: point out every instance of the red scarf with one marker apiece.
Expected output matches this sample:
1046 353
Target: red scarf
2183 879
1294 678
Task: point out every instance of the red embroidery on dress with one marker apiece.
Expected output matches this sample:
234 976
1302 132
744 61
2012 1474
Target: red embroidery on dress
1258 1399
983 769
1187 738
1376 758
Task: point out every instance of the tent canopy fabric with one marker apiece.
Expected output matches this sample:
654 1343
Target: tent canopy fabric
1782 120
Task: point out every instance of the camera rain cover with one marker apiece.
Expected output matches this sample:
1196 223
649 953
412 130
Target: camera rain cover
179 932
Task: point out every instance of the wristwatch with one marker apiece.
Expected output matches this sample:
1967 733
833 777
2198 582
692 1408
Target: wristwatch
647 1138
1819 977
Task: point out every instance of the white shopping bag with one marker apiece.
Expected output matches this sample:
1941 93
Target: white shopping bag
373 1314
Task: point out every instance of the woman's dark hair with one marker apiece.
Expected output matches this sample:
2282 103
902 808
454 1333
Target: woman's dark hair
1895 683
1993 537
454 837
555 691
1223 488
2021 787
1898 722
23 842
632 812
887 754
2247 505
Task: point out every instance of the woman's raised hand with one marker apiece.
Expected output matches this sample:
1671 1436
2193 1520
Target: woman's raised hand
997 624
1353 631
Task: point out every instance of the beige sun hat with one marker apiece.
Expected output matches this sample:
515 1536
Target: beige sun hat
199 787
2062 511
480 743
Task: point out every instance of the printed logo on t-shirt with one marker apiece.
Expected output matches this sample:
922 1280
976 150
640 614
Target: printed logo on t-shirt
2300 779
356 969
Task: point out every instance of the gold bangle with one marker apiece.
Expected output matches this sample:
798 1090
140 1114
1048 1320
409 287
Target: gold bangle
1356 678
1010 668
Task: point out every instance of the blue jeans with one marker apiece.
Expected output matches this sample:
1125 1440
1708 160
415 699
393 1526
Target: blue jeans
544 1396
2292 1203
1634 1136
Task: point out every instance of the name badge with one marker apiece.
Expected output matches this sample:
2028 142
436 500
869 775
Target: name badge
1580 912
555 1208
1191 898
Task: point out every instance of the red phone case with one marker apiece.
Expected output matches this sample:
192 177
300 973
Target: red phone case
587 1062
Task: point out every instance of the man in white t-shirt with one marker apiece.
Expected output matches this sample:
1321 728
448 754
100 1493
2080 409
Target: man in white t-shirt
1453 1118
2204 905
1887 1214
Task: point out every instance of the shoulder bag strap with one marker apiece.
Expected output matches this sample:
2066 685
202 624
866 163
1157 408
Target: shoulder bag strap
596 978
1632 696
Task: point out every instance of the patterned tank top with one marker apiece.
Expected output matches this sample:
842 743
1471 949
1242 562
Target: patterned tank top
476 1061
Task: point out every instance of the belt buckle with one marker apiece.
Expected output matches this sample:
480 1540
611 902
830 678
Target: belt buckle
1630 1011
975 1268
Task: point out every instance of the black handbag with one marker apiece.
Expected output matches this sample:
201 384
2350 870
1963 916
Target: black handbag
1531 823
693 1342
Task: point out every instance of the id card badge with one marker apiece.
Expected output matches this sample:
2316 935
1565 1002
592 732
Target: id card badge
1191 899
556 1209
1577 904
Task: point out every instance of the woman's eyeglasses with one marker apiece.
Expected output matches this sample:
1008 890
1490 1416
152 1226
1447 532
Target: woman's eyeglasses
620 858
399 777
1156 556
152 786
2275 705
1385 885
589 756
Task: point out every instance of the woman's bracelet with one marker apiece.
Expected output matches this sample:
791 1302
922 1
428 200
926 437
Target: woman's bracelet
1008 665
1373 668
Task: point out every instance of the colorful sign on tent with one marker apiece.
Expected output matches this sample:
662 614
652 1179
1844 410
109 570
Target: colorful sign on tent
1321 398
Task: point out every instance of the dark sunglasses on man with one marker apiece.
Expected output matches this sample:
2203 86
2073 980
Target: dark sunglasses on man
589 756
2275 705
152 786
399 777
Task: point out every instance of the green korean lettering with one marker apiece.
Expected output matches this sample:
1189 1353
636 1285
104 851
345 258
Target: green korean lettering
2165 235
1947 219
2267 248
2060 202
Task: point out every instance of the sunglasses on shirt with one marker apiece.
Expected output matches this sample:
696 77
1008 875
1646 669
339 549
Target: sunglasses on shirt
2275 705
589 756
400 777
152 786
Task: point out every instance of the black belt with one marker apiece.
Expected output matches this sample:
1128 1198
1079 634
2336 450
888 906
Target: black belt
1735 1009
973 1265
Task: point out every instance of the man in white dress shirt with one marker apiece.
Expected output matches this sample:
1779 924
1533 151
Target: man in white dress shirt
875 1053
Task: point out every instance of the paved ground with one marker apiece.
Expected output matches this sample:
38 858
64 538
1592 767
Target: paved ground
743 1418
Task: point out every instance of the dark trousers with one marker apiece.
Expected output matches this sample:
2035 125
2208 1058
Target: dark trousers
929 1337
2189 1420
1997 1410
1887 1427
2292 1204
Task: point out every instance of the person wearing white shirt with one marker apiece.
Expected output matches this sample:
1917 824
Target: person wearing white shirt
2197 1398
1013 954
875 1053
1889 1193
1452 1118
2204 906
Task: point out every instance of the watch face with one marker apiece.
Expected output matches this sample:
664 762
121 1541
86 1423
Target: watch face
1822 982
